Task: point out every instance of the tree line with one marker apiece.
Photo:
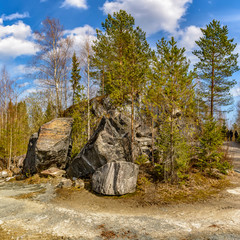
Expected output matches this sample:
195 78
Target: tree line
184 104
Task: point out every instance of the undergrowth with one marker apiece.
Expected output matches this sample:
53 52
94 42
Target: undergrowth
197 187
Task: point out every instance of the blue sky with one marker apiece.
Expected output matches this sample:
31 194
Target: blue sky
179 18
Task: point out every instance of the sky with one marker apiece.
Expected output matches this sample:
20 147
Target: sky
19 19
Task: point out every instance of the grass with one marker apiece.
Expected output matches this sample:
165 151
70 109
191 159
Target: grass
197 188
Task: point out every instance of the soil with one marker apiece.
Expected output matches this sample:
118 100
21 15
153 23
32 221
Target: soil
39 211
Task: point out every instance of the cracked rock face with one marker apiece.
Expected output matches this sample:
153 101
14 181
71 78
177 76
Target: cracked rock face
107 144
115 178
51 147
29 166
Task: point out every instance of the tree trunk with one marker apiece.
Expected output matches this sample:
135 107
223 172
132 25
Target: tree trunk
88 92
152 129
212 86
132 126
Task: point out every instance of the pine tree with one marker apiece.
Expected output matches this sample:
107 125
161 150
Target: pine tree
75 75
50 112
171 95
209 154
216 64
122 58
79 115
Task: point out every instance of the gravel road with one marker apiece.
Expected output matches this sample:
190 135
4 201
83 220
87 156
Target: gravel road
32 212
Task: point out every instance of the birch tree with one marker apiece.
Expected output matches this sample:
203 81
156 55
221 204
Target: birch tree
52 60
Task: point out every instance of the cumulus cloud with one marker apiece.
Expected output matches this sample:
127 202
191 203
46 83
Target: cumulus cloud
15 16
23 85
23 69
151 15
75 3
16 40
11 46
189 36
235 92
79 36
18 30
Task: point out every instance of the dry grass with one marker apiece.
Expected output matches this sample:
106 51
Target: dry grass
17 233
29 195
196 188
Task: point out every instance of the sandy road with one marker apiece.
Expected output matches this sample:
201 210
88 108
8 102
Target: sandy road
40 217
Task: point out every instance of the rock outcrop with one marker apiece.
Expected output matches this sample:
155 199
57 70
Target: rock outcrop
51 147
29 163
108 143
115 178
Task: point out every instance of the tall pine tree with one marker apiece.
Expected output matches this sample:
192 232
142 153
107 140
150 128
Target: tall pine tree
171 95
216 64
75 76
121 57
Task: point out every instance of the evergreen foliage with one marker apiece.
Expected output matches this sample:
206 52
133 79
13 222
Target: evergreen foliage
50 112
210 155
217 63
171 91
122 57
75 75
79 115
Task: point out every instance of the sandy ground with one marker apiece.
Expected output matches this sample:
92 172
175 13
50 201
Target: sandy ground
39 212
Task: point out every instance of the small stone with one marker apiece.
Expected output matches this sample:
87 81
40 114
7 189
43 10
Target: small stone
54 172
5 173
65 183
9 179
79 183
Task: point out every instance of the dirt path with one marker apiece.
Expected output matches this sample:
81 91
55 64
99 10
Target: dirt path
38 212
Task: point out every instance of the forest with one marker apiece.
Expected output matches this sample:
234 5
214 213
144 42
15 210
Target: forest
184 105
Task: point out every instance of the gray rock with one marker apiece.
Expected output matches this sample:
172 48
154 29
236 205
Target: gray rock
79 183
19 161
115 178
108 143
29 166
54 172
5 173
51 147
65 183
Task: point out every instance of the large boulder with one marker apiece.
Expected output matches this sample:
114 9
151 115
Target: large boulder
29 163
51 147
108 143
115 178
54 144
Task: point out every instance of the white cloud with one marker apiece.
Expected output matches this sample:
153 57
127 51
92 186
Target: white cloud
16 40
14 47
15 16
75 3
151 15
189 36
18 30
235 92
79 35
23 85
23 69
